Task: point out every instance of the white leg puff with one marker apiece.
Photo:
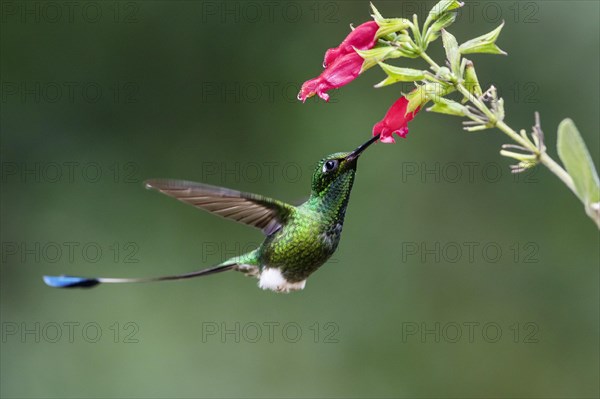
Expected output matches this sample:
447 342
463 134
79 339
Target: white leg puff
272 279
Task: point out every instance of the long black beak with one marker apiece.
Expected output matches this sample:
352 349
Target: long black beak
356 153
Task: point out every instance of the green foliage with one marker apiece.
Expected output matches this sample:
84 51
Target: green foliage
578 162
483 44
486 109
425 93
471 81
397 74
442 8
375 55
452 53
389 25
445 106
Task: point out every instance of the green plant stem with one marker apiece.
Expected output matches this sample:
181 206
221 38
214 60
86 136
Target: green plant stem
543 157
431 62
481 106
558 171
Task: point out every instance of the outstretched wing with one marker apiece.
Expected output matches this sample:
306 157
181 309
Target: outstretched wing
252 209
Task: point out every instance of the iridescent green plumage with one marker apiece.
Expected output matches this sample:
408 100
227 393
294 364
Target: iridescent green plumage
299 239
312 233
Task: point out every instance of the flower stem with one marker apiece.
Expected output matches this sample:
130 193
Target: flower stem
543 157
558 171
482 107
431 62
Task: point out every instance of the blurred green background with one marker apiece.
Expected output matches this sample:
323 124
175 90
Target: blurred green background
108 94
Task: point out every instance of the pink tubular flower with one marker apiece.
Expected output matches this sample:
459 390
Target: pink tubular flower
395 121
341 72
342 64
361 38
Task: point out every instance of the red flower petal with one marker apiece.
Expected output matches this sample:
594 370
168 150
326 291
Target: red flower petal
343 71
342 64
395 121
362 38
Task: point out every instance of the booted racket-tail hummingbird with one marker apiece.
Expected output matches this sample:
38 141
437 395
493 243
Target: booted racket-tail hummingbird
299 239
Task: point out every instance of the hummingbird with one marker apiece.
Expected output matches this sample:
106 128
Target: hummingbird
298 239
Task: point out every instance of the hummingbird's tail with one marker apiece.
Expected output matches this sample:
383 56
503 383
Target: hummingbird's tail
89 282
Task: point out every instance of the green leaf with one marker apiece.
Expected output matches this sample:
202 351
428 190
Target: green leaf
578 162
444 21
440 17
483 44
376 14
490 48
373 56
452 53
443 7
396 74
443 105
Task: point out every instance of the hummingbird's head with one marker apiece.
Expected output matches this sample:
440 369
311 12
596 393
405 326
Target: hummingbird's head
334 174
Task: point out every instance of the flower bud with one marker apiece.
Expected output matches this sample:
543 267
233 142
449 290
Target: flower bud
471 81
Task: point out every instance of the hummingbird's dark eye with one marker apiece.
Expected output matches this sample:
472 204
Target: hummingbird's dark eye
330 165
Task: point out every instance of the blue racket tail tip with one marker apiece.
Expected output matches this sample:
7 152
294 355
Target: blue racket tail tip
70 282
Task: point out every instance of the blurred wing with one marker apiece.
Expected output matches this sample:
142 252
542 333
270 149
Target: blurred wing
254 210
